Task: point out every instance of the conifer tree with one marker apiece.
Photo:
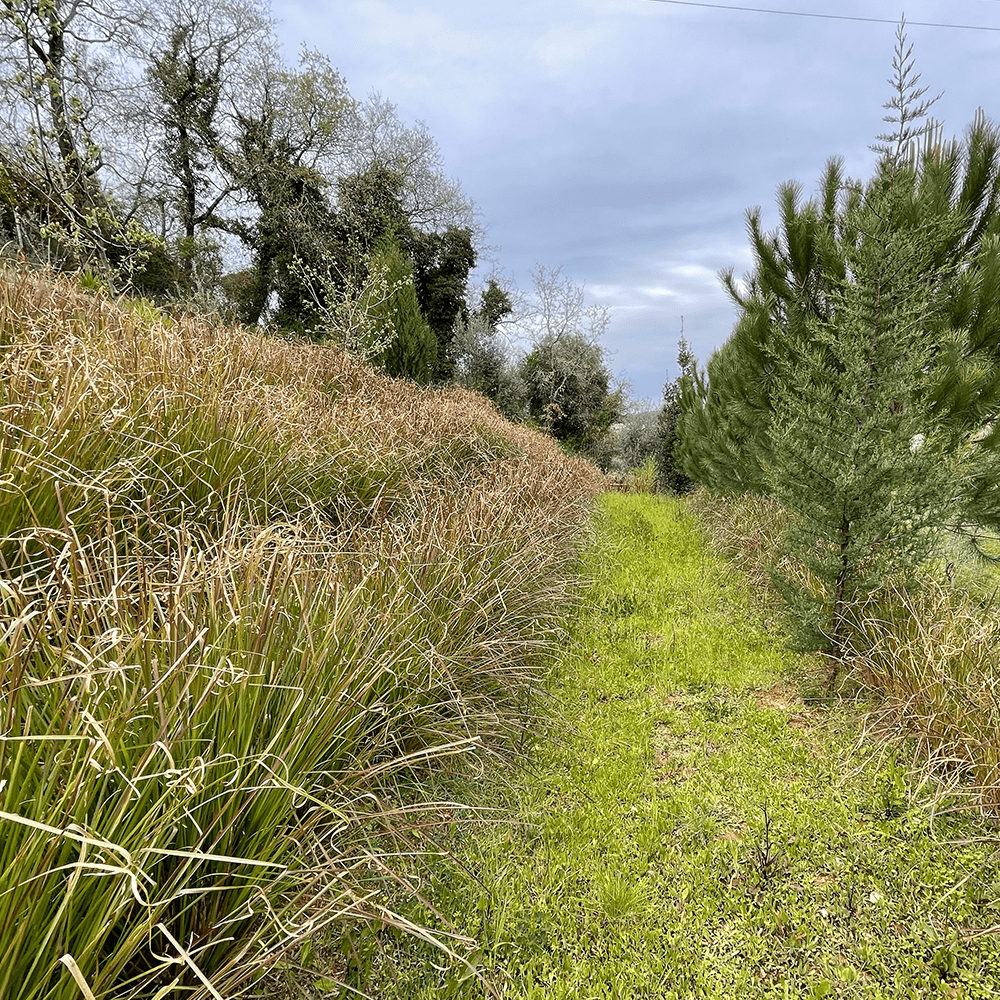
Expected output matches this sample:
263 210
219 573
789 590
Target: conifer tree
866 478
669 475
861 384
411 347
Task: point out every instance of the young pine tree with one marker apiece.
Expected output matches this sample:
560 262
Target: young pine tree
861 384
866 476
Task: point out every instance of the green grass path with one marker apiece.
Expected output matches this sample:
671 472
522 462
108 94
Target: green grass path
703 831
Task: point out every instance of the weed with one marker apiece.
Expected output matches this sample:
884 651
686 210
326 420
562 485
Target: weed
768 856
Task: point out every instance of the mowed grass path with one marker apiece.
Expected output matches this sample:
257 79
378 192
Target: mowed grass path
700 829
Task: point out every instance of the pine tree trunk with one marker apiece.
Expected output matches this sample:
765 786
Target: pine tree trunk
837 624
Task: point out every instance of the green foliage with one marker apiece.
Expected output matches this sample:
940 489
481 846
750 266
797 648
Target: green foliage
860 383
689 825
669 474
482 363
494 305
569 389
637 438
411 348
371 211
480 355
441 266
865 470
186 80
295 225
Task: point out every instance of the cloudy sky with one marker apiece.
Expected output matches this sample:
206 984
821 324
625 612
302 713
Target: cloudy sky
624 139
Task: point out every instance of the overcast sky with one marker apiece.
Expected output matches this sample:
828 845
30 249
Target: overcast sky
625 139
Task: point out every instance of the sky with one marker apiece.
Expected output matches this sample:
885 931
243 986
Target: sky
624 140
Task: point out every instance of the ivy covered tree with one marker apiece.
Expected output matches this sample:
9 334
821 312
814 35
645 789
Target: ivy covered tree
199 54
442 262
370 211
861 383
72 171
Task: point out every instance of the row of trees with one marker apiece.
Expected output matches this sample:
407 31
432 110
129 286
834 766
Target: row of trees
170 148
861 383
146 140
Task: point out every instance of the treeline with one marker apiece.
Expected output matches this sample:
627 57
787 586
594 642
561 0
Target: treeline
170 150
146 141
860 386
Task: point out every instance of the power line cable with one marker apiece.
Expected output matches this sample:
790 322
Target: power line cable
831 17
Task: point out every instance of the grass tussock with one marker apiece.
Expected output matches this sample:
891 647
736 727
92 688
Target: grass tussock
243 583
751 530
934 657
928 652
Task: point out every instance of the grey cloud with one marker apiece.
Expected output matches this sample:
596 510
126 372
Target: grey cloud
625 139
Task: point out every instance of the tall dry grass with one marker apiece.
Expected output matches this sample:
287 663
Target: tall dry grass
243 583
933 656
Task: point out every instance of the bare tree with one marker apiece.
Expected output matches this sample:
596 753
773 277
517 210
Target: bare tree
70 83
558 309
432 200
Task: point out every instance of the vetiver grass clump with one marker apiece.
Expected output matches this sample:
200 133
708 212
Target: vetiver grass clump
243 582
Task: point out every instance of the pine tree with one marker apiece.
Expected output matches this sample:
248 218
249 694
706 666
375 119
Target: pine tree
866 477
861 384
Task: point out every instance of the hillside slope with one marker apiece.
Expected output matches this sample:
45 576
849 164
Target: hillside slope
242 583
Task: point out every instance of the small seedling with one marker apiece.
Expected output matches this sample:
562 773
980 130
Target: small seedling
767 854
894 791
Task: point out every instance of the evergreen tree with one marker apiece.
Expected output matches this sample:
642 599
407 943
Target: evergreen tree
411 348
862 380
866 476
669 474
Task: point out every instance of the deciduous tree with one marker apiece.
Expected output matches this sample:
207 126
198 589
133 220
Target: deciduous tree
68 99
569 386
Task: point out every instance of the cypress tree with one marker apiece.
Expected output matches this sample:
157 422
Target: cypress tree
669 475
411 347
